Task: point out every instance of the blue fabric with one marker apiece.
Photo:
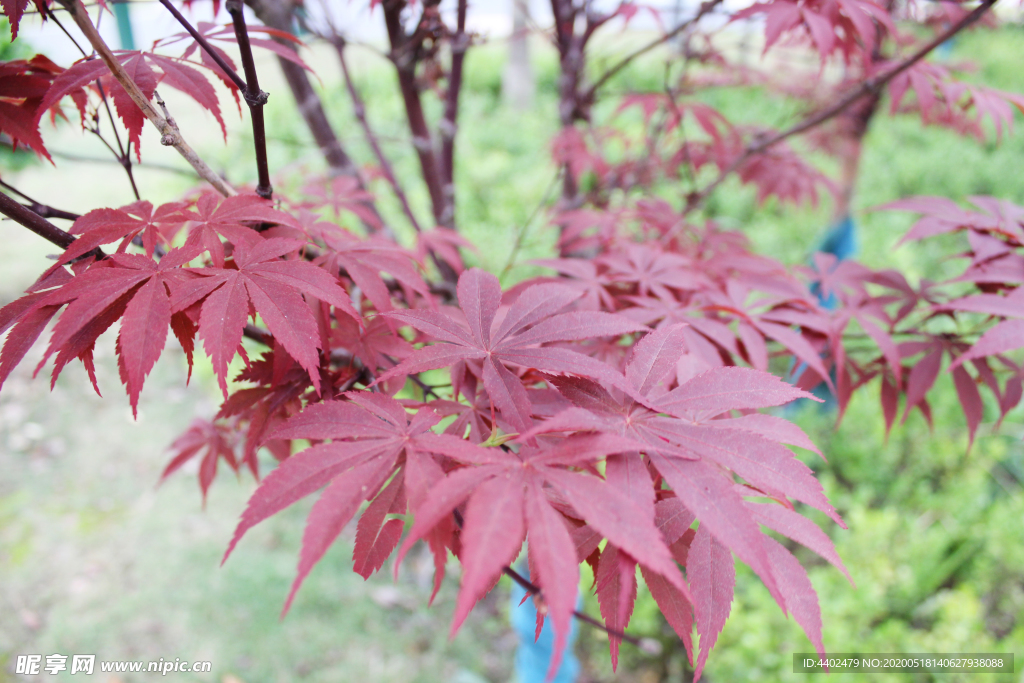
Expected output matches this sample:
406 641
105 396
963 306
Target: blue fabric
840 241
534 658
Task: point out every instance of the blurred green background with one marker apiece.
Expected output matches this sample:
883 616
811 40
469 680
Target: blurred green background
96 559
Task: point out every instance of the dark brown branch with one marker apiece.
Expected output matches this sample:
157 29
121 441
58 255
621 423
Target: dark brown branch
254 97
203 43
41 210
871 86
360 111
571 107
449 127
277 14
250 87
25 217
404 55
34 222
705 8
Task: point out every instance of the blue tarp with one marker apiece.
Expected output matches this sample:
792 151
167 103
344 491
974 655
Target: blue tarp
534 657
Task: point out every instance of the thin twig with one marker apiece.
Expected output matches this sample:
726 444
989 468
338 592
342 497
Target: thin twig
205 44
534 589
448 126
170 135
96 160
404 55
705 8
359 107
871 86
124 155
48 14
254 97
521 234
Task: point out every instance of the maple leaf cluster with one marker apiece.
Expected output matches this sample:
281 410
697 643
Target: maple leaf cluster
607 414
553 430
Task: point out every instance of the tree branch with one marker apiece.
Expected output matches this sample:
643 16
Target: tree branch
277 14
254 97
41 210
205 44
250 87
170 135
30 219
871 86
448 127
360 111
571 107
404 56
705 8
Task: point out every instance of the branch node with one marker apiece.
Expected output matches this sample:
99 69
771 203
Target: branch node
257 100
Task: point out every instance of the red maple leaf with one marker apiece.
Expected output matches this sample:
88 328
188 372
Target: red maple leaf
373 437
214 440
23 85
692 445
132 288
532 320
510 498
103 226
215 216
261 283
